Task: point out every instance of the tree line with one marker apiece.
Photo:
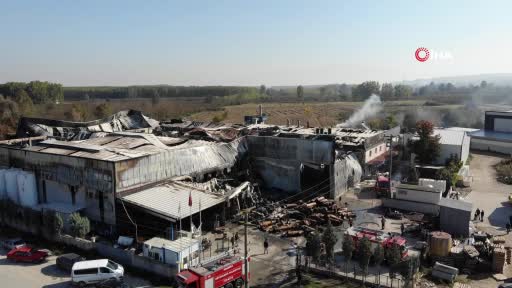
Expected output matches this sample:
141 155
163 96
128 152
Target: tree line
156 91
39 92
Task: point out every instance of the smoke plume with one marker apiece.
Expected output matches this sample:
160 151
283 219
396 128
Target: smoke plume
371 106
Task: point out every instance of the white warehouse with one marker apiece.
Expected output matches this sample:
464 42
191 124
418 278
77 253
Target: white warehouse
455 142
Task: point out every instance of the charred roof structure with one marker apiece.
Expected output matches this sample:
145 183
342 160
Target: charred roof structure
129 166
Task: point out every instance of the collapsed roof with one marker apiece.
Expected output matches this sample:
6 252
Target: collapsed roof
127 120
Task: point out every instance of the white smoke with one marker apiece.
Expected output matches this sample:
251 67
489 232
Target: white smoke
371 106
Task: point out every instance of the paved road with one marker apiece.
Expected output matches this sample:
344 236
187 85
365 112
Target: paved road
488 194
42 275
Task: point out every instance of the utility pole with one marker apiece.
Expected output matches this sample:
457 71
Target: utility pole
298 261
245 250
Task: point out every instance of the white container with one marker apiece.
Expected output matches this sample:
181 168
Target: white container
27 189
11 184
3 192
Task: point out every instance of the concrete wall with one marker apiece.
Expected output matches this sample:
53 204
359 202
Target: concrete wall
446 152
280 174
466 144
127 258
302 150
81 173
375 152
455 221
490 145
426 208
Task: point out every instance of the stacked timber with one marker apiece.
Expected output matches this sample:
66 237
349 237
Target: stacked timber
498 260
301 218
440 243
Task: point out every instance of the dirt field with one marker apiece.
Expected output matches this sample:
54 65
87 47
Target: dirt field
318 114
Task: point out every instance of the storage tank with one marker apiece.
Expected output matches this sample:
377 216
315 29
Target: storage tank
11 184
440 243
27 189
3 192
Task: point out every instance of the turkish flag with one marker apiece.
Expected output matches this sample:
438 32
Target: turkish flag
190 199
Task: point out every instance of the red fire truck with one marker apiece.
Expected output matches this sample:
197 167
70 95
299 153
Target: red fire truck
383 187
378 237
226 272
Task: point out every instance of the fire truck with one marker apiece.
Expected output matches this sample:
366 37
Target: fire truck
225 272
382 186
378 237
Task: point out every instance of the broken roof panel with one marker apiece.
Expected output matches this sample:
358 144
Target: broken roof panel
121 121
171 200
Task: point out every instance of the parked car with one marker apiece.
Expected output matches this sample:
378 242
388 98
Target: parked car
95 272
27 254
10 244
66 261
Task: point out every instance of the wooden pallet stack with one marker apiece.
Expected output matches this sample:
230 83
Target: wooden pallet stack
498 260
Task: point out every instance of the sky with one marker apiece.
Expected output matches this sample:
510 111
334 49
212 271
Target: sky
274 42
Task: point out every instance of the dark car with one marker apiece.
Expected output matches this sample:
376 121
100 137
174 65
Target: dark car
27 254
66 261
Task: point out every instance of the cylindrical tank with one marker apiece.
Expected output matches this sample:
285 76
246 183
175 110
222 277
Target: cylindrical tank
11 184
27 189
3 192
440 243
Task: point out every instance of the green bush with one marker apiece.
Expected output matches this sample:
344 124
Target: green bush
79 225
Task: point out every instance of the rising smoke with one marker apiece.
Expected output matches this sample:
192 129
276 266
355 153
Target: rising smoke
371 107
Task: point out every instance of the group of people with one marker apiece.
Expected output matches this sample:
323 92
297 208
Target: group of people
479 215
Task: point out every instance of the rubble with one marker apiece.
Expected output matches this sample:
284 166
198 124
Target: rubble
301 218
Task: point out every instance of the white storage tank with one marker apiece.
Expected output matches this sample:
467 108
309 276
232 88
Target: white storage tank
27 189
11 184
3 192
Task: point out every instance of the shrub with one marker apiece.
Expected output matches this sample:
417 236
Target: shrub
79 225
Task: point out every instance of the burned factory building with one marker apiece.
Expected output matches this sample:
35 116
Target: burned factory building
129 168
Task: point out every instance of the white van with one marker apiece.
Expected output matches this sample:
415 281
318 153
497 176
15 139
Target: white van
95 271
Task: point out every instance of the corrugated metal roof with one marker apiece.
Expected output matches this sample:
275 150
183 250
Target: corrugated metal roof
450 137
178 245
167 200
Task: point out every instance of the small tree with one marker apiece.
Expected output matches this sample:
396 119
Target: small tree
427 147
364 254
378 257
103 110
393 256
329 239
79 225
348 248
300 93
313 247
58 224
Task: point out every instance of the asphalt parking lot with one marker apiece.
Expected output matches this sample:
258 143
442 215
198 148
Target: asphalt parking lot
45 275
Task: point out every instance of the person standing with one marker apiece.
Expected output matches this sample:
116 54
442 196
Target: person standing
402 229
482 215
265 246
477 214
383 222
350 222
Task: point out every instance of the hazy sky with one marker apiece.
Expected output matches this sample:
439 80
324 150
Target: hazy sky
249 42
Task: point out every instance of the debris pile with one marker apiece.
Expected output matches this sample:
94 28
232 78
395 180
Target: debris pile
301 218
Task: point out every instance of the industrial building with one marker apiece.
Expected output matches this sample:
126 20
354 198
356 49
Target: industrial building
496 135
455 143
130 167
